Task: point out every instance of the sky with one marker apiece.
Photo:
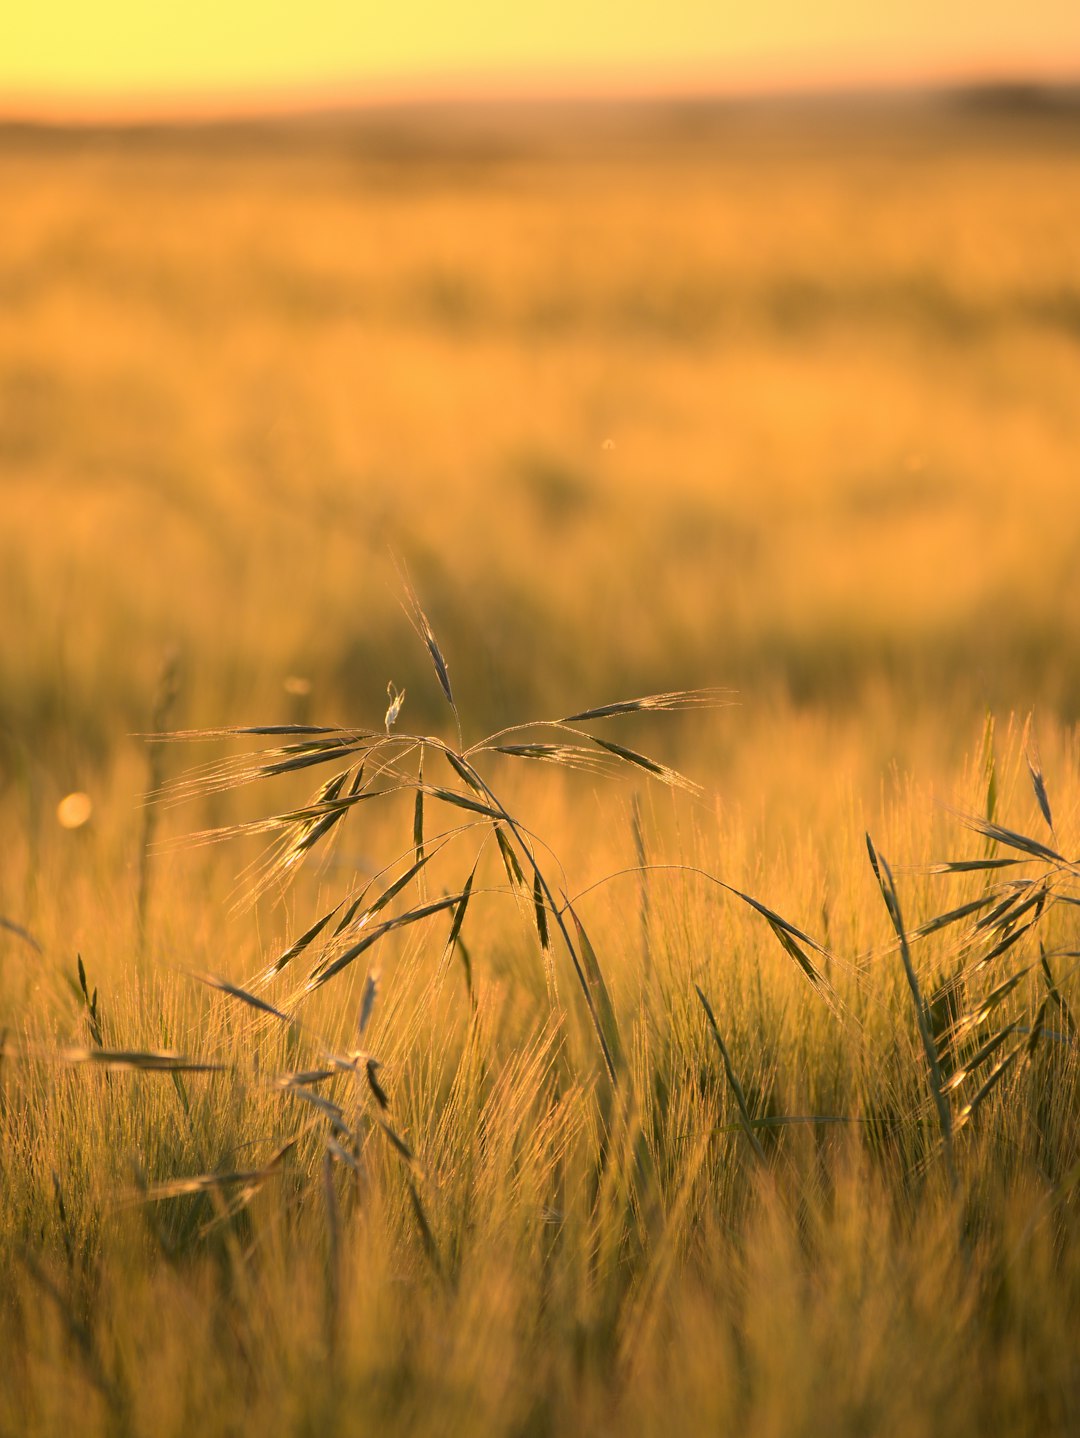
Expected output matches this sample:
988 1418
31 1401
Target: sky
148 55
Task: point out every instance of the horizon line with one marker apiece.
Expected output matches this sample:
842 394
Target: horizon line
461 89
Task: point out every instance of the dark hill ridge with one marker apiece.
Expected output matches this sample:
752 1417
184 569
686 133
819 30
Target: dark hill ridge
489 132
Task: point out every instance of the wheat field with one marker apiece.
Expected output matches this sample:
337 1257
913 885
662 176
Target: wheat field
708 1062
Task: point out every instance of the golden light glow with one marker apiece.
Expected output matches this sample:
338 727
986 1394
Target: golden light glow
74 810
120 52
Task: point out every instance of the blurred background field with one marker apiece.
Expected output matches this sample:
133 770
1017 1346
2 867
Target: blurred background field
777 398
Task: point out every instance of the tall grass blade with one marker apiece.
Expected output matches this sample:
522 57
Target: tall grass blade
892 904
1038 783
459 916
971 866
165 695
510 860
640 853
977 1060
953 916
422 625
462 801
675 699
1014 906
323 754
1038 1026
427 1238
378 1093
733 1082
205 1182
17 929
333 1251
234 991
331 1111
423 911
367 1003
600 1005
91 1003
1008 942
669 776
1013 840
136 1060
392 890
987 1005
989 766
83 1339
996 1075
397 1142
464 771
296 949
418 810
790 947
540 911
794 942
1051 985
267 730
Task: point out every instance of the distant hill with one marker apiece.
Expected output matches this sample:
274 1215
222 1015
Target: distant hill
486 131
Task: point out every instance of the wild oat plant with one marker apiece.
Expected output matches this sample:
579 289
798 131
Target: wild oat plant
441 778
968 1046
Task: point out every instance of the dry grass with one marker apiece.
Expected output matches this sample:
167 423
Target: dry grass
575 1077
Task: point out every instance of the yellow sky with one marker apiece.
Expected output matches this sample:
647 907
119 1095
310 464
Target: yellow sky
117 51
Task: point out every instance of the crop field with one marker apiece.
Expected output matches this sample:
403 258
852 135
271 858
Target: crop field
612 964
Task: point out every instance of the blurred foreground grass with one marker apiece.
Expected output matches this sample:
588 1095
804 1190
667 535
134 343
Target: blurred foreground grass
785 403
